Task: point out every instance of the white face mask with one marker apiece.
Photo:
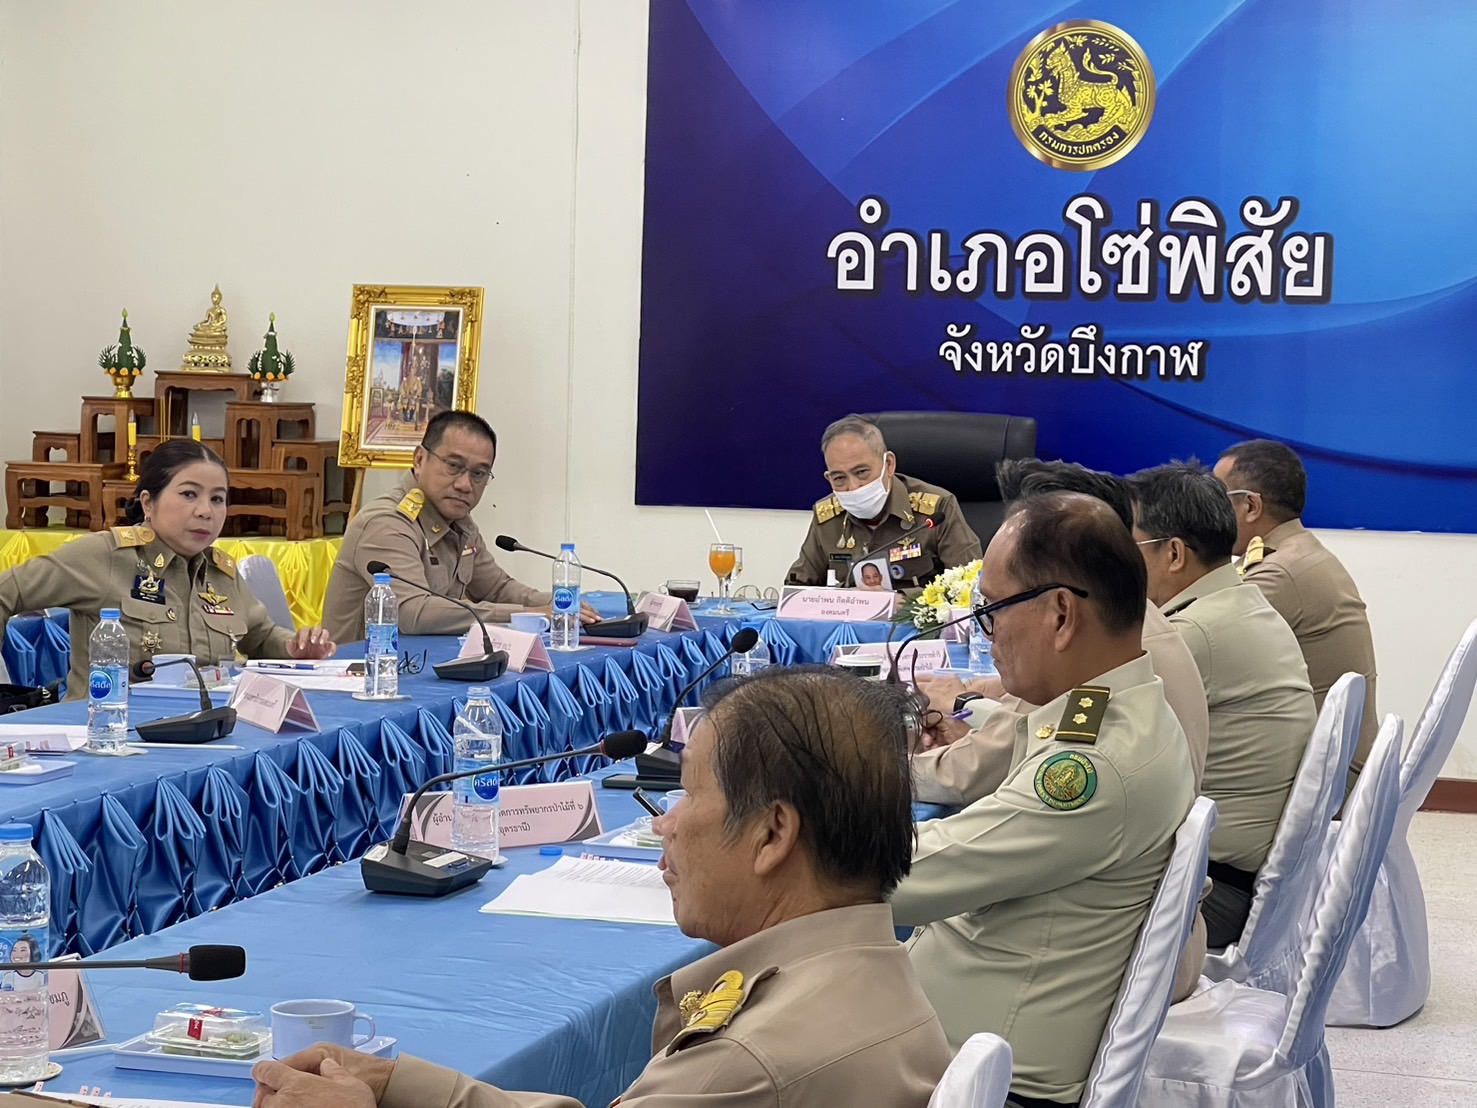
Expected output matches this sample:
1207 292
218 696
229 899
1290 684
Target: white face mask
866 502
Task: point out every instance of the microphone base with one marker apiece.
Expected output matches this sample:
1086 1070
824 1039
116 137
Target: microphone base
191 729
485 667
627 627
413 874
663 764
630 781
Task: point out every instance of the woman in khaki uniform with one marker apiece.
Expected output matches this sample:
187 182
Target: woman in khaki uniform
177 593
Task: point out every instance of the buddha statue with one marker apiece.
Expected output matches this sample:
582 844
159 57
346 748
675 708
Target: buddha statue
208 353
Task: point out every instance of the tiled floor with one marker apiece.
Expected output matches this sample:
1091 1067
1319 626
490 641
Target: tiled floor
1431 1059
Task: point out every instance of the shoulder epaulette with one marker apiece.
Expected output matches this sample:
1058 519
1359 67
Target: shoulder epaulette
223 561
411 504
1083 715
705 1013
1256 550
924 503
829 508
137 535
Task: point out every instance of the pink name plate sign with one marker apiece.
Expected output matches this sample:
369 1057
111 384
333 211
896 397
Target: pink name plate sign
847 605
668 613
530 815
922 657
525 650
271 704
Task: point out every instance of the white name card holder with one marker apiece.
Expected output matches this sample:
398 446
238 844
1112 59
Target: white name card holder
846 605
668 613
921 657
525 649
529 815
271 704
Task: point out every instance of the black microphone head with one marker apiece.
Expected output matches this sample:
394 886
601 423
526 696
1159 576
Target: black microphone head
623 744
506 542
378 567
210 962
744 640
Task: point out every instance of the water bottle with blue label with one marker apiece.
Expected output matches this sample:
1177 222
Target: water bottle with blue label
107 685
25 917
564 619
478 738
381 641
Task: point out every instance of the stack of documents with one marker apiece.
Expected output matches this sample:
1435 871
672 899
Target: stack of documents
589 888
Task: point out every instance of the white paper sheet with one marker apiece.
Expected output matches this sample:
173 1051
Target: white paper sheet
589 888
50 738
129 1102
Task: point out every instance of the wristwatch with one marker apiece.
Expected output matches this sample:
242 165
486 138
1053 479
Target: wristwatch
964 698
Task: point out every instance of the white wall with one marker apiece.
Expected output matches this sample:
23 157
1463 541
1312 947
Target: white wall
290 149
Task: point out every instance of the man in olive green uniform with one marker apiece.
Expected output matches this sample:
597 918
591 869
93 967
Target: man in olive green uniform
1308 586
1032 898
795 826
916 528
168 604
1256 685
423 530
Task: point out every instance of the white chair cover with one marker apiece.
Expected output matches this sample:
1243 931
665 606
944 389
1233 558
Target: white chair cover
260 574
978 1077
1388 975
1234 1046
1267 952
1148 983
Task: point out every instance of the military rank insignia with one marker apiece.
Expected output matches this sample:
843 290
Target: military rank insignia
1066 781
152 641
215 603
1256 550
148 588
711 1011
1083 715
411 504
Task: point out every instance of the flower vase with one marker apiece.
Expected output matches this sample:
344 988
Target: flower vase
122 387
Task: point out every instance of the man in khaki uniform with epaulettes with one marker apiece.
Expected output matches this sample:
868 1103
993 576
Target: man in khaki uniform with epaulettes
917 527
1032 898
423 530
1299 576
810 1002
1256 685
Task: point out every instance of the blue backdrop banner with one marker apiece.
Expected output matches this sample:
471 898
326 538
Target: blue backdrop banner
1156 228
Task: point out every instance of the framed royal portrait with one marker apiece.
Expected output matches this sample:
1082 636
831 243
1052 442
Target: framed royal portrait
413 352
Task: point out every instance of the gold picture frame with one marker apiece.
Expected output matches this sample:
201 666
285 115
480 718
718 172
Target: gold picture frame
413 351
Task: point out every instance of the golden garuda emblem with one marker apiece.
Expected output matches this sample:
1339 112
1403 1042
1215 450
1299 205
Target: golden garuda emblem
1081 95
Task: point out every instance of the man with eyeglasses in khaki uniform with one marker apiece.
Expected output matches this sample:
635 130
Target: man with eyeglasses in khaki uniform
423 530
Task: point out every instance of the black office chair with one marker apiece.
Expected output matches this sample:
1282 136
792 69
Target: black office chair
958 451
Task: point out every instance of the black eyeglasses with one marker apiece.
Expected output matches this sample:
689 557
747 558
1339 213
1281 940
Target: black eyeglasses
985 614
454 469
413 665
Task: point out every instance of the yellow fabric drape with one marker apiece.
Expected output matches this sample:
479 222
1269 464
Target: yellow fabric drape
303 566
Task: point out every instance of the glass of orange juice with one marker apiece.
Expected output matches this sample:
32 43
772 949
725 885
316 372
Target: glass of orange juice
722 557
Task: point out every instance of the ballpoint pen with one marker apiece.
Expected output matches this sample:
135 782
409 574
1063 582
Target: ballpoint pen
283 665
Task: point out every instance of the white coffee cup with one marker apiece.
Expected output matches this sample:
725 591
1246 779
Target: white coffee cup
535 623
671 799
298 1024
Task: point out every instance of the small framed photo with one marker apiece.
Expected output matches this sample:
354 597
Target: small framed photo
872 574
413 352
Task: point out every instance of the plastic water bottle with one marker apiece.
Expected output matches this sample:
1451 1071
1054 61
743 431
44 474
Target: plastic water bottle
381 640
25 912
747 665
564 629
107 685
980 661
478 735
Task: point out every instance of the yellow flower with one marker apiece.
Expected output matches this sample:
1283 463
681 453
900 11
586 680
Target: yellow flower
933 595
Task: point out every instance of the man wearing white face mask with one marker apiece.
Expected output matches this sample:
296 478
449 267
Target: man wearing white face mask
874 509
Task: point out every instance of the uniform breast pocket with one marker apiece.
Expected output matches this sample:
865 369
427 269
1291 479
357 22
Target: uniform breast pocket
462 578
225 633
920 569
150 630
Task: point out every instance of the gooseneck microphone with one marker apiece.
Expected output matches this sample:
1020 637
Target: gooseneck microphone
661 768
206 962
206 725
488 666
409 868
632 626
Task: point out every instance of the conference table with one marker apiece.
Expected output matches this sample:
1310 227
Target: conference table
141 843
524 1002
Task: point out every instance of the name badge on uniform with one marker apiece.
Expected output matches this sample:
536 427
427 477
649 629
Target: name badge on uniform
904 552
215 603
469 550
149 588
